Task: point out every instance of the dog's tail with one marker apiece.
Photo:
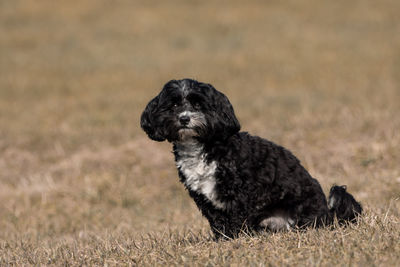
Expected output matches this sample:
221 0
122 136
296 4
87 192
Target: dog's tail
342 205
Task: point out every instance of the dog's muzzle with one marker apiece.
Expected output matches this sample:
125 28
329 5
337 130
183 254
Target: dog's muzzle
184 120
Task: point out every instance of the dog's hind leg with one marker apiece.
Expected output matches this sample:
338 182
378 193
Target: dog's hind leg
276 223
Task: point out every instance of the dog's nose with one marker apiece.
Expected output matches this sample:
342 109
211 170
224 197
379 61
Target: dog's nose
184 120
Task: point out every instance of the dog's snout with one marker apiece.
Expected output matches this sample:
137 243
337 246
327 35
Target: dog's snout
184 120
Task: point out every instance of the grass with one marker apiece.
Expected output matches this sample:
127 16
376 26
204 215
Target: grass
80 183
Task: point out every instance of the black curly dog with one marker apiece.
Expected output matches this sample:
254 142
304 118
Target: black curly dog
239 182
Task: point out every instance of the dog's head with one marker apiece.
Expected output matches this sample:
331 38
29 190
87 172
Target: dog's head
189 109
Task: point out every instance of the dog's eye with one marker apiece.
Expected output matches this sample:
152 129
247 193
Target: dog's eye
175 105
196 105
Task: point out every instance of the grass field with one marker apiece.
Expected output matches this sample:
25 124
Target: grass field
81 184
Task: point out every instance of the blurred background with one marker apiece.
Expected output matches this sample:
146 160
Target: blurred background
321 78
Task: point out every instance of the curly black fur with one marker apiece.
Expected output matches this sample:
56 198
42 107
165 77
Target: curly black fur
238 181
343 205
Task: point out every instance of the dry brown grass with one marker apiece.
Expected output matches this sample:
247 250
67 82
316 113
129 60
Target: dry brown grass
81 184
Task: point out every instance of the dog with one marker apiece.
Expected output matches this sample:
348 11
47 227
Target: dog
238 181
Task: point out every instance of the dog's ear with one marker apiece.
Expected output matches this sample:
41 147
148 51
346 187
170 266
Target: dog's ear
148 121
224 122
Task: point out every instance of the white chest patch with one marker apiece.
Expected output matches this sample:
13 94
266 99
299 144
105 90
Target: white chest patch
200 175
